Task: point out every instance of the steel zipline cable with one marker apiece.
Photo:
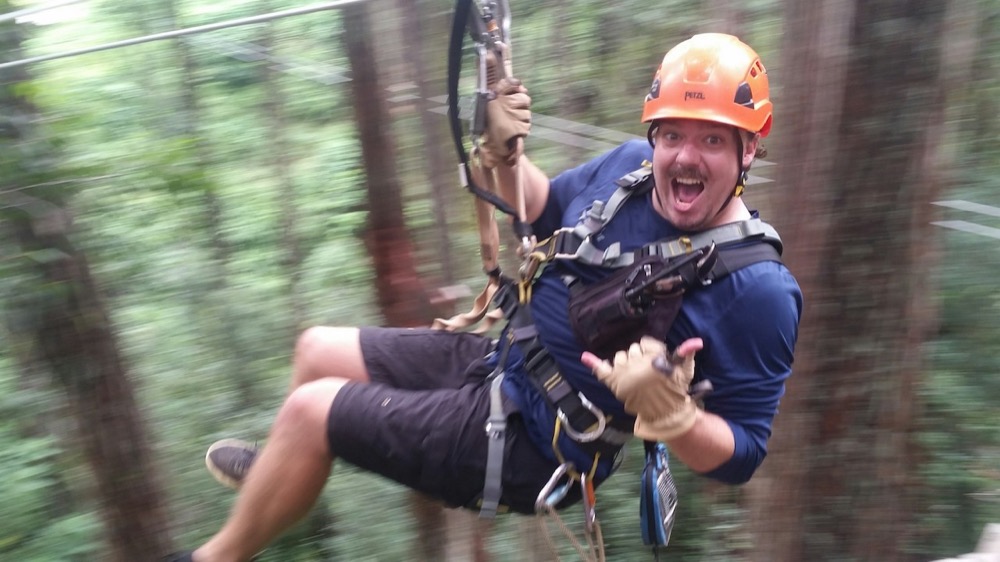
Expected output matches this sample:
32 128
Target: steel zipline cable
172 34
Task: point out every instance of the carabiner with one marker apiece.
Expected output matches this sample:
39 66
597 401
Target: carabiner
551 493
589 499
585 436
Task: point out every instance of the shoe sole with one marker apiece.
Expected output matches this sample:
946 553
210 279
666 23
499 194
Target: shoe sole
220 476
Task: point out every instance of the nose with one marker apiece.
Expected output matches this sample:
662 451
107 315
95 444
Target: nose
687 153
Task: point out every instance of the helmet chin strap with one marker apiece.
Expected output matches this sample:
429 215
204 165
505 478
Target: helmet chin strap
741 180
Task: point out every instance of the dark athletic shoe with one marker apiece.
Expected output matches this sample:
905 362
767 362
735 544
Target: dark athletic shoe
229 461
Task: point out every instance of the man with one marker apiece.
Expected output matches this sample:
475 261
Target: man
412 404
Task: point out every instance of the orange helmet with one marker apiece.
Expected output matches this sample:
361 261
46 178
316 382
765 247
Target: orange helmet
712 77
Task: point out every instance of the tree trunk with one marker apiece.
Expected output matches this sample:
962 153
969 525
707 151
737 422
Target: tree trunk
858 162
400 293
818 34
443 178
72 330
77 340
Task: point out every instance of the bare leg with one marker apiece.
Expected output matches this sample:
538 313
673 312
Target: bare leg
323 351
320 353
286 478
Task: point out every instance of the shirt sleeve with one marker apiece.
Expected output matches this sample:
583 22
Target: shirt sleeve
751 360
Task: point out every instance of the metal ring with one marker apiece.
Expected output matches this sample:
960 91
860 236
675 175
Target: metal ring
586 436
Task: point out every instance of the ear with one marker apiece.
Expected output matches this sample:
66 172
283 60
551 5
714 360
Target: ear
750 144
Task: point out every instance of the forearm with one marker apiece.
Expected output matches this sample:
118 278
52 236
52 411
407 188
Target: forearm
706 446
536 186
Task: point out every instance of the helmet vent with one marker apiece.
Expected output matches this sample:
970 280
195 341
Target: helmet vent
744 96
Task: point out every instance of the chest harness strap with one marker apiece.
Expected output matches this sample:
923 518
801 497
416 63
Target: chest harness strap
575 244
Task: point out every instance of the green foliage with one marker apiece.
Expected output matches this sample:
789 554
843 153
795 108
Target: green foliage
961 433
37 525
208 341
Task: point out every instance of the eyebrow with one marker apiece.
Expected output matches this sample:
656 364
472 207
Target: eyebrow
711 127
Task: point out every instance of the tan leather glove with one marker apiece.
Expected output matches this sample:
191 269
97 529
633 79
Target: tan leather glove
653 388
508 118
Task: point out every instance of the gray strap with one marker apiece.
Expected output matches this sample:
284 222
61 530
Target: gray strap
752 229
615 436
601 213
578 239
496 431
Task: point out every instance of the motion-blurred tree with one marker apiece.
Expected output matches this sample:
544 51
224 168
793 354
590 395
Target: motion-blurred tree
862 109
402 297
67 320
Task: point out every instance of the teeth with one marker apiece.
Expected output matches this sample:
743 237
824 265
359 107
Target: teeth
688 181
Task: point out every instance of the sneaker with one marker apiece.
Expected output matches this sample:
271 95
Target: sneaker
229 461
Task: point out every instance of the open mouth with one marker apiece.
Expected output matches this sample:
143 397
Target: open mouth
686 191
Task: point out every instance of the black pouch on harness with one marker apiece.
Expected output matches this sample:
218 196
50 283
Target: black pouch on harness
641 299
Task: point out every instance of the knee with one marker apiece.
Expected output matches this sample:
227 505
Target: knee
307 408
323 351
314 341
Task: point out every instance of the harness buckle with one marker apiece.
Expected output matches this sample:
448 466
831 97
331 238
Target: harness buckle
686 243
530 266
495 429
584 436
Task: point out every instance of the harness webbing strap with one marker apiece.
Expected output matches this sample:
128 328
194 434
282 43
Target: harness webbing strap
601 213
752 230
732 258
564 398
565 244
482 25
489 245
575 243
582 418
496 429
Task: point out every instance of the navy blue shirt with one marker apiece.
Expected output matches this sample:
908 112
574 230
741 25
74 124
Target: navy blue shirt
748 321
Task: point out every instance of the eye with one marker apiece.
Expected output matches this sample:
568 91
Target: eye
715 140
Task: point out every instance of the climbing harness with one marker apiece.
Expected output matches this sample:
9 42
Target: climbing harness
629 295
643 296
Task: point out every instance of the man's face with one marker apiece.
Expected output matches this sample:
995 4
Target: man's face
695 167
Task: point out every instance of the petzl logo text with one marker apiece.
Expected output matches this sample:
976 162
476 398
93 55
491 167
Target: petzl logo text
693 96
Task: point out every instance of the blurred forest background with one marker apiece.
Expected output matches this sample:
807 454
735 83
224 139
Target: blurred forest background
172 213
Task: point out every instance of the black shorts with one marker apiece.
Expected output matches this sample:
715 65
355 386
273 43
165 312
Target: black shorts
421 420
